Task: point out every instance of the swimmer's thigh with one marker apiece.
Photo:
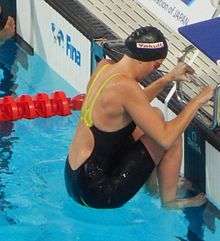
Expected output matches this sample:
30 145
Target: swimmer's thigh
135 167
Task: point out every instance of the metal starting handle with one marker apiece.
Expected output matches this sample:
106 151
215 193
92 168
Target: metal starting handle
215 115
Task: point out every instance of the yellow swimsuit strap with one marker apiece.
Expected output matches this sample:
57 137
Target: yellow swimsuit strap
86 112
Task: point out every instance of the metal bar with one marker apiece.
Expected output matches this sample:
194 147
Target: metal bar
199 83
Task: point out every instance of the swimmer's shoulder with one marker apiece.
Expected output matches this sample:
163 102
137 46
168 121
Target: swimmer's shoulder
100 65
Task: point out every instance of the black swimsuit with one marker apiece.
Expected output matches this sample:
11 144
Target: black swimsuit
116 169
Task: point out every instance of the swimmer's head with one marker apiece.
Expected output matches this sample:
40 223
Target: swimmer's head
146 44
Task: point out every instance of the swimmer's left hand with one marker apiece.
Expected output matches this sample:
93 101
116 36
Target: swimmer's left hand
181 72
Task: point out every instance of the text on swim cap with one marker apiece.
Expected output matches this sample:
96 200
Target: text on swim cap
157 45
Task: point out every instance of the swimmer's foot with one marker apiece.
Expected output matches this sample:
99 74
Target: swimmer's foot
196 201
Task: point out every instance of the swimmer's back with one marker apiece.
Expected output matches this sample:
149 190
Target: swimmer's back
107 114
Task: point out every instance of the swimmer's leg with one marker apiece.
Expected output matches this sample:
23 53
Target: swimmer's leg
168 176
168 169
156 153
151 185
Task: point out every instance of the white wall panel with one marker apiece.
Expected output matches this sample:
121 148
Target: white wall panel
24 20
60 44
212 174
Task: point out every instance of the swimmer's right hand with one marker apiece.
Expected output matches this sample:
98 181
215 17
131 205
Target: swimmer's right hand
204 95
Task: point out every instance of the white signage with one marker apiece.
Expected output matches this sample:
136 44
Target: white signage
58 42
178 13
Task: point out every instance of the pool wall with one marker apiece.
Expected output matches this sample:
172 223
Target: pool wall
58 42
43 27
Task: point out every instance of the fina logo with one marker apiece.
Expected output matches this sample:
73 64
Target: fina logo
64 41
188 2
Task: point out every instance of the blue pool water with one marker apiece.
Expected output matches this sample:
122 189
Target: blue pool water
34 205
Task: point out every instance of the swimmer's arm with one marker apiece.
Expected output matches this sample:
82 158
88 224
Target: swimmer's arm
154 89
163 133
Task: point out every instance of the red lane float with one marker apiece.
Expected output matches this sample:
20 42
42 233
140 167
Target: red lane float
40 105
